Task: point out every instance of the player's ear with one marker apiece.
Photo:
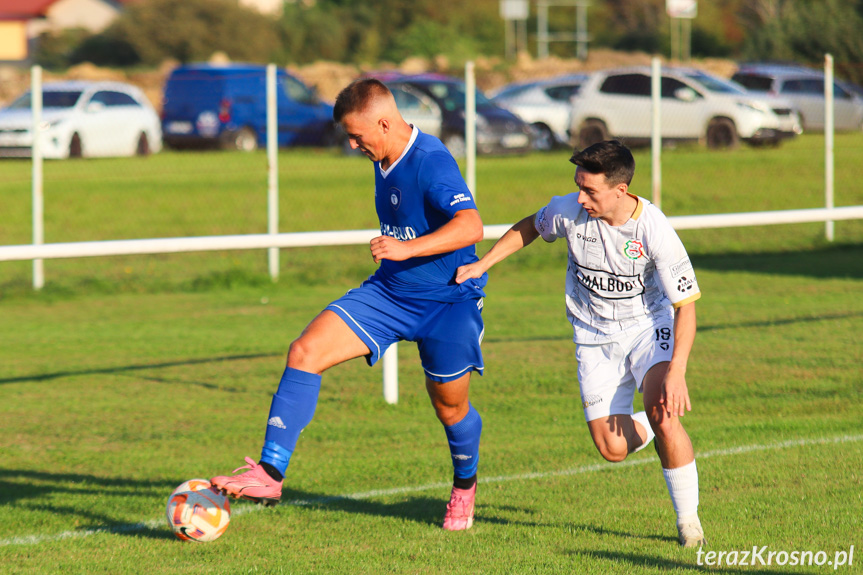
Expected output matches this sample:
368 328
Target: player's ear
384 125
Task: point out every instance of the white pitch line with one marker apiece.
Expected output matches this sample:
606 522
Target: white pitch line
157 523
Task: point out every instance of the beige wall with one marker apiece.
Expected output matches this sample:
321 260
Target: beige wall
93 15
13 40
272 7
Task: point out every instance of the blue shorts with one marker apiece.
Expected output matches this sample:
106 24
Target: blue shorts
448 335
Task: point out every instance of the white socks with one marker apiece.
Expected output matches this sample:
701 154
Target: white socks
683 487
641 417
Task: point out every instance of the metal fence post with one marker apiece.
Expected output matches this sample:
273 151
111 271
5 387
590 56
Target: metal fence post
37 192
828 142
272 169
656 132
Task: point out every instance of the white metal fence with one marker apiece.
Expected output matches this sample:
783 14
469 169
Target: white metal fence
38 251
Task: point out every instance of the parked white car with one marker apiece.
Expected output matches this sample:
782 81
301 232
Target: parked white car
83 119
805 88
790 124
617 103
544 104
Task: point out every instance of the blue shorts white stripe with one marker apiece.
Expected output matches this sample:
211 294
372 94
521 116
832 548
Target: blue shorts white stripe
448 335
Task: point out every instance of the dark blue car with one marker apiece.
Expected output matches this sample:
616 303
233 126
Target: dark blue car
225 106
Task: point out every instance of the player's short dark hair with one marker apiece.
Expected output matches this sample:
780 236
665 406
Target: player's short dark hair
356 96
610 158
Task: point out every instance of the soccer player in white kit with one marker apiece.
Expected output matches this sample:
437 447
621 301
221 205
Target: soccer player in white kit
630 296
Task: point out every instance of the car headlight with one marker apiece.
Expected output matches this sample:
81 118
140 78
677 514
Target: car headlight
47 125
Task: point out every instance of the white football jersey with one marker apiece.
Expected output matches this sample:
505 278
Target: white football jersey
618 277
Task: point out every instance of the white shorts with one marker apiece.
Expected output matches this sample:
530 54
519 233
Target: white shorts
609 373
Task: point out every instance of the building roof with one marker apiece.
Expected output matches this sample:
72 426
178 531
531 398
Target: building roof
24 9
28 9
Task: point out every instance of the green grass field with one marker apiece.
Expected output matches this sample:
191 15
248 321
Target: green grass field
127 376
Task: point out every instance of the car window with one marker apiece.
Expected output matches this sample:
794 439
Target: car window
812 87
627 85
110 98
52 99
513 92
639 85
840 92
670 86
452 95
755 83
410 104
714 84
298 92
563 93
803 86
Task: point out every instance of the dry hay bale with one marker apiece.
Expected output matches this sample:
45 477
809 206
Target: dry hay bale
327 77
88 71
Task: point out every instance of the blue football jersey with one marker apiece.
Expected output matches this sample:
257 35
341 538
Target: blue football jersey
421 193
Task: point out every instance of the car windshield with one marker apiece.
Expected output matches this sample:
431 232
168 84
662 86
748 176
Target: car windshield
453 95
52 99
715 84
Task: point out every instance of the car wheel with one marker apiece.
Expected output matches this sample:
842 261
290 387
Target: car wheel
456 145
591 132
76 149
543 138
143 147
243 139
721 133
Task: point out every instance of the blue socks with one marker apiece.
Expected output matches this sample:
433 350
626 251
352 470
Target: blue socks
292 410
463 440
294 406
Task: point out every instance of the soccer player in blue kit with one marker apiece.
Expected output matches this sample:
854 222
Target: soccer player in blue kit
429 225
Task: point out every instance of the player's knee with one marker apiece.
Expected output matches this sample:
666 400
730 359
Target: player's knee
300 354
612 454
448 414
614 451
663 425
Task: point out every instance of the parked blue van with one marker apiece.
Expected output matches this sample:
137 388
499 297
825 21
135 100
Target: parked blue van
225 106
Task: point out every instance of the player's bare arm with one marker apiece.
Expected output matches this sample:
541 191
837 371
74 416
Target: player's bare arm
675 394
515 238
464 229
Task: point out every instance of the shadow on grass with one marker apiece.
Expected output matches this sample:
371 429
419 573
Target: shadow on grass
623 534
96 497
663 564
120 370
33 491
425 510
841 261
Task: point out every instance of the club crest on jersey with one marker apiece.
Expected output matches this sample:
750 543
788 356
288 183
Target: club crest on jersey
395 198
633 249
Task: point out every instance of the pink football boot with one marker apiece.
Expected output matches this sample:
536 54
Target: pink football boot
459 510
255 484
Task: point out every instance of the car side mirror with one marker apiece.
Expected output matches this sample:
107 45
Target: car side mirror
94 107
685 94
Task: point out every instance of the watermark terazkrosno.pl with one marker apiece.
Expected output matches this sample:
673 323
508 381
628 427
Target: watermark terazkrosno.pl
764 556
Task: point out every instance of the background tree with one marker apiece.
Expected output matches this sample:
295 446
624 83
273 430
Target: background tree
367 33
802 31
192 30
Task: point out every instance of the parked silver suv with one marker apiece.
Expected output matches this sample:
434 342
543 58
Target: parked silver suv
805 89
617 103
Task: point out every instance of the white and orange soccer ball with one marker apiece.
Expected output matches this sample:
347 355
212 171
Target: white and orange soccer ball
197 511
